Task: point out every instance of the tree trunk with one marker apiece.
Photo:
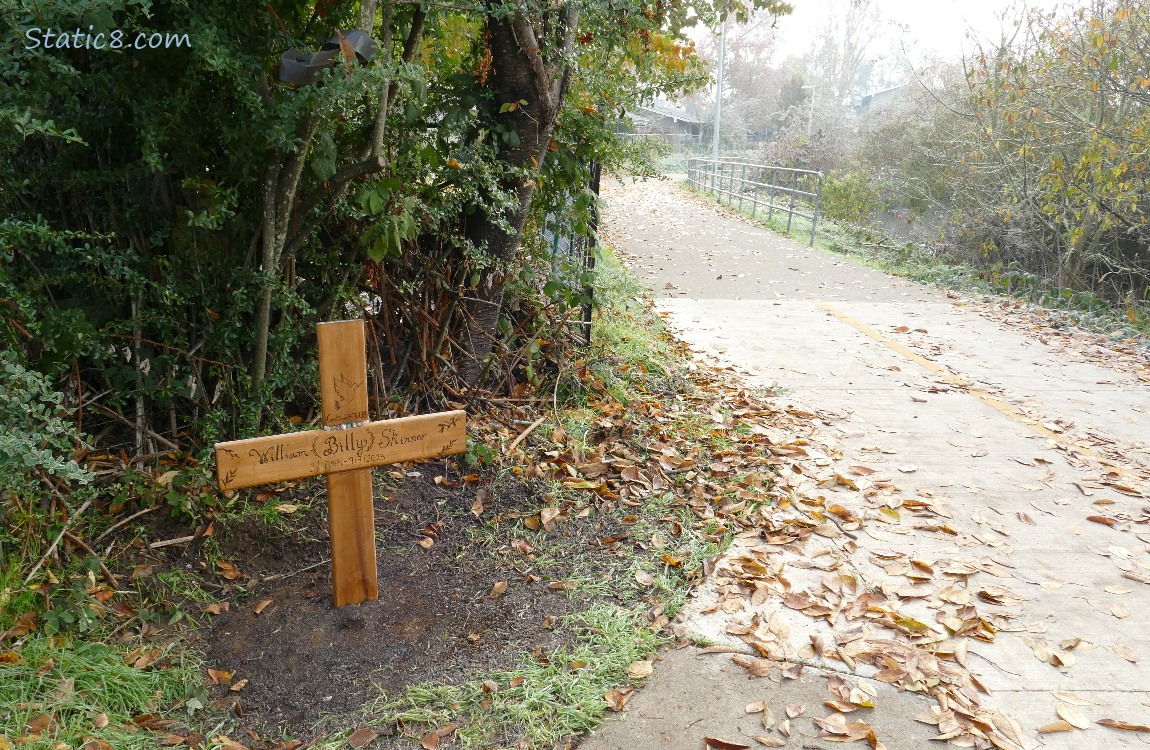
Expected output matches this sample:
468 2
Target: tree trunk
519 74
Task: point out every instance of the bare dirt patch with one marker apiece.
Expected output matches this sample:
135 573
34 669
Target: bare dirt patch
297 667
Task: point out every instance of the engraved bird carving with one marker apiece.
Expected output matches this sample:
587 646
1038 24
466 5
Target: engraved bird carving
345 390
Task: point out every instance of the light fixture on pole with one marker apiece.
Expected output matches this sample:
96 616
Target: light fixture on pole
811 115
718 103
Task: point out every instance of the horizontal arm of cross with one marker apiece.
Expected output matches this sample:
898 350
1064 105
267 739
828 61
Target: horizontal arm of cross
296 455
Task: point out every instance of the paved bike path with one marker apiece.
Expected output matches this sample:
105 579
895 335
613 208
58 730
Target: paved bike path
1021 436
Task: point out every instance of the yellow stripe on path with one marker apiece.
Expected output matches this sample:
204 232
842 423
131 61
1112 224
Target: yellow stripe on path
964 383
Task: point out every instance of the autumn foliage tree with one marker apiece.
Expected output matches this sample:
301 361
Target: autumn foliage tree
1057 176
1035 148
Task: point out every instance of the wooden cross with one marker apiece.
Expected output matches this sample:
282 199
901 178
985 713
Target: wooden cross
345 450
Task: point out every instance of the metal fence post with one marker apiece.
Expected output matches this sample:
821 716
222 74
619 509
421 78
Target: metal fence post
742 186
589 257
755 192
771 195
818 202
791 207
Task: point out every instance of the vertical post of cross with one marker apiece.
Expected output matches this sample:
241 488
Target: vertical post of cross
351 512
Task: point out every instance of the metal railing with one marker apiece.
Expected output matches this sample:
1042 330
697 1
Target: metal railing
799 190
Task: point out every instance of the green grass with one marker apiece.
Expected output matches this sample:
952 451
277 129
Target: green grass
88 691
178 586
15 597
632 352
555 697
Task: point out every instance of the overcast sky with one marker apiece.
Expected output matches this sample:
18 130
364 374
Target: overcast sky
932 24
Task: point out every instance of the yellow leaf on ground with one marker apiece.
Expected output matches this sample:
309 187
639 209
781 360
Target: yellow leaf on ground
640 669
1072 715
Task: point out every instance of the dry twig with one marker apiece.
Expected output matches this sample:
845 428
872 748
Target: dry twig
523 434
51 549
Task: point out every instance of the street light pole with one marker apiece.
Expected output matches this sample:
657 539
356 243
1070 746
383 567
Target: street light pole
811 114
718 104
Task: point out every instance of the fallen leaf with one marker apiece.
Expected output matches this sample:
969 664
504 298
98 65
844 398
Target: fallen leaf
216 609
1056 726
361 737
640 669
263 605
153 722
497 590
1115 724
908 469
145 658
1073 698
426 542
756 667
1125 653
770 741
1121 611
430 741
239 685
617 697
24 624
228 570
219 676
287 508
1117 590
40 723
547 517
1009 727
643 578
1072 715
95 744
717 744
890 515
